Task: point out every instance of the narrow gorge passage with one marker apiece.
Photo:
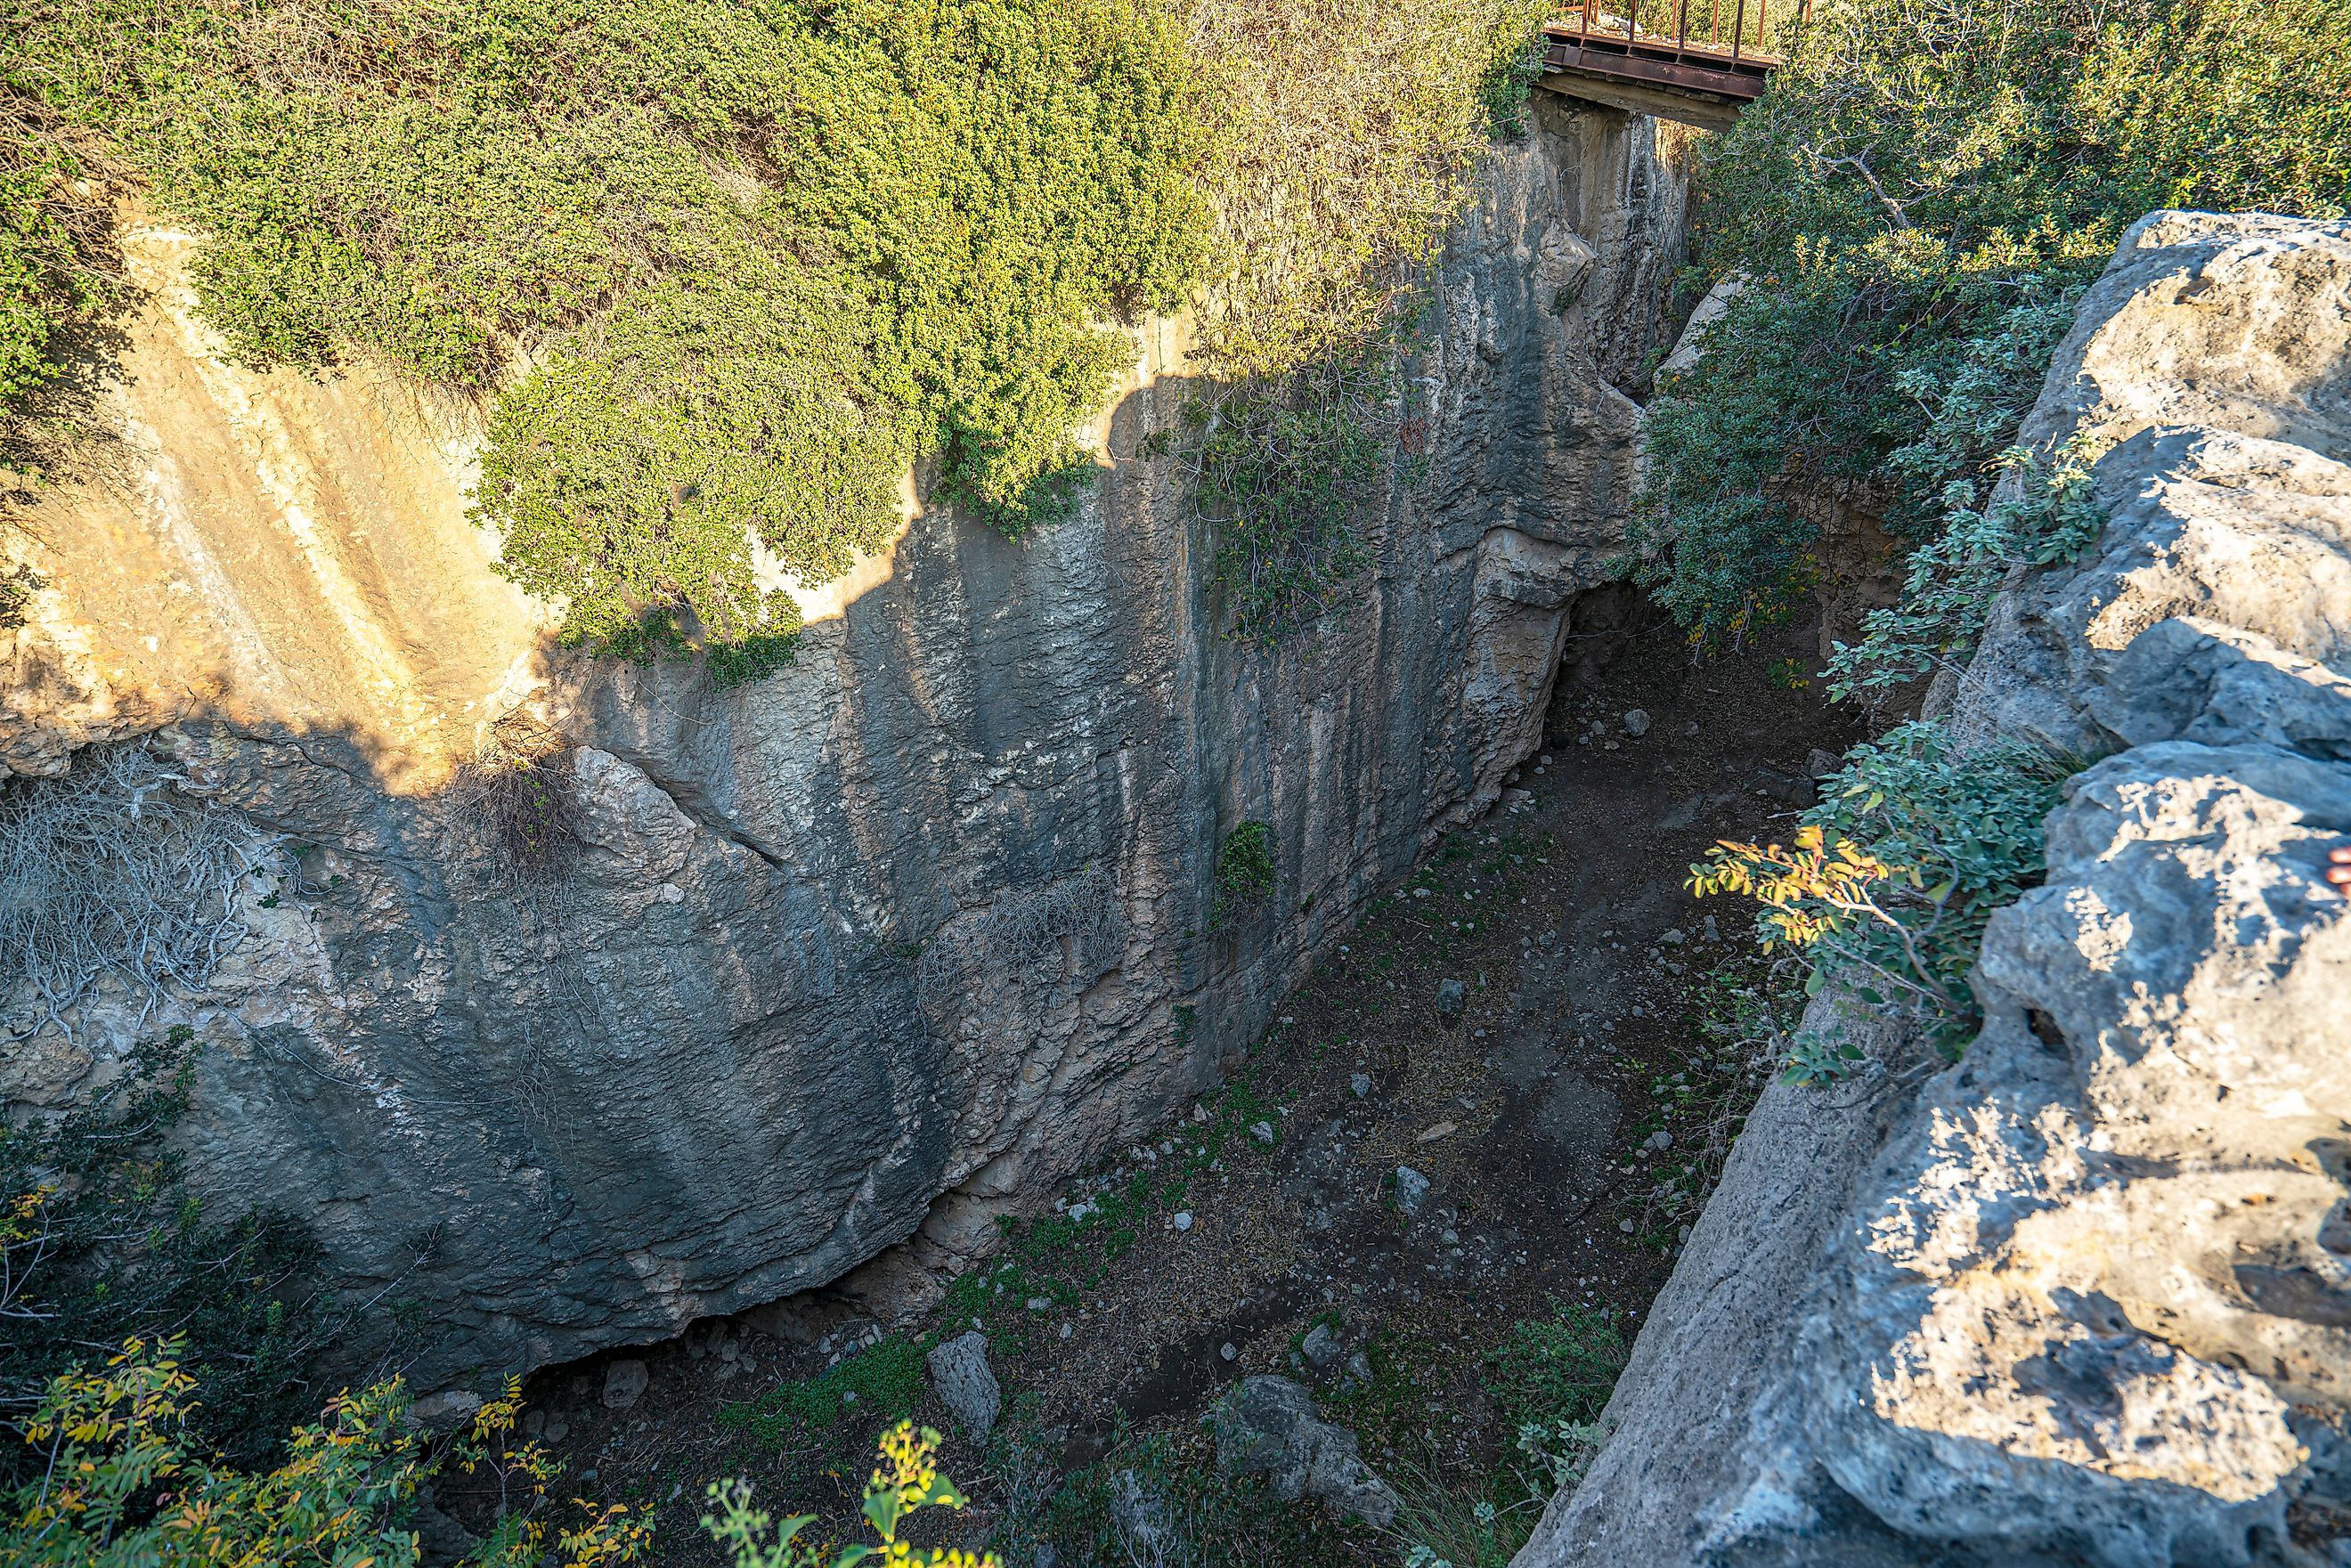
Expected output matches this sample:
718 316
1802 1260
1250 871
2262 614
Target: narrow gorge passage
1585 966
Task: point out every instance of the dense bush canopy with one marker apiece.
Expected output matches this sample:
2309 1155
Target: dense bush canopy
754 257
723 269
1912 208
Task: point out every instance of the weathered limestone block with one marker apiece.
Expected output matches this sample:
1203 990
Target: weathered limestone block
2085 1297
2083 1321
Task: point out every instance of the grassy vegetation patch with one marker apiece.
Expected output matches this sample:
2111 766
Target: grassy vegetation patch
1562 1368
882 1383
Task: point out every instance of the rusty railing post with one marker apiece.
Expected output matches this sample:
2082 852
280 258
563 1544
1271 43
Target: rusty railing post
1738 30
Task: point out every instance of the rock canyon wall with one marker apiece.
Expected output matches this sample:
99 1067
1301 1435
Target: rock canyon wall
2083 1298
841 964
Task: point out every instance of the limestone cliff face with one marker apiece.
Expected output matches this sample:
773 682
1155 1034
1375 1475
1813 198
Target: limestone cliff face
2085 1297
852 957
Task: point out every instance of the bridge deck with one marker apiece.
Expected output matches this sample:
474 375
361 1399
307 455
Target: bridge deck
1717 61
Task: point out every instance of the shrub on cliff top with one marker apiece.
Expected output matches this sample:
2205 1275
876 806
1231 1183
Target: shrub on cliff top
759 256
1913 205
724 270
1347 138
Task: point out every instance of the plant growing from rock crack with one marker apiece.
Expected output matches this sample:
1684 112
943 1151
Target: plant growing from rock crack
1245 872
519 795
1284 472
1893 876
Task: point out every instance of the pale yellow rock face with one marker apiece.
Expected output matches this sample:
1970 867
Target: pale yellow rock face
269 546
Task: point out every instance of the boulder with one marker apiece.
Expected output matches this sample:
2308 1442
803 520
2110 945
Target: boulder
965 1383
1267 1426
624 1384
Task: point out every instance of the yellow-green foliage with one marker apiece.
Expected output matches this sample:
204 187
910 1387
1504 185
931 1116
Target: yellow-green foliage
1894 874
699 411
906 1479
44 284
120 1485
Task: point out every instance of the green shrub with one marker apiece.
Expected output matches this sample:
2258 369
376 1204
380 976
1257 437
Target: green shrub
1894 874
1913 207
1346 145
738 378
1285 472
47 281
117 1478
759 256
1950 582
881 1381
1245 872
101 1242
1560 1368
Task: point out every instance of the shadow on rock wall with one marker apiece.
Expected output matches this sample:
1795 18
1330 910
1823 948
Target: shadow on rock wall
863 954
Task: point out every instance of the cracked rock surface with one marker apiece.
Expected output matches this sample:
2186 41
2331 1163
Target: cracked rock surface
2085 1297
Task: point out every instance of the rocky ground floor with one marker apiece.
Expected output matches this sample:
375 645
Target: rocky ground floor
1439 1196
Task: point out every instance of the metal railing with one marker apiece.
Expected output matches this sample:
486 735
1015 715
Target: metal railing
1738 32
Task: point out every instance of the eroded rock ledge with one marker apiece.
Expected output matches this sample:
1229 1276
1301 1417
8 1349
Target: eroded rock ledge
2085 1297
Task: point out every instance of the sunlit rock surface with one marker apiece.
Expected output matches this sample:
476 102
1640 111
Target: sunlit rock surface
2085 1297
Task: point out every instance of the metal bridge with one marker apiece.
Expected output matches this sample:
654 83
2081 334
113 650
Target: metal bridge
1697 61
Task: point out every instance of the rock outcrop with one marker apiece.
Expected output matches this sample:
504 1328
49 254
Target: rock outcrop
847 962
1267 1426
2085 1297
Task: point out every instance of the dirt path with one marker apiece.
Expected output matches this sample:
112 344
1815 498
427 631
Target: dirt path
1536 1112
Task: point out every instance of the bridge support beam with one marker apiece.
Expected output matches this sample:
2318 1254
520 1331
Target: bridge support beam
1706 111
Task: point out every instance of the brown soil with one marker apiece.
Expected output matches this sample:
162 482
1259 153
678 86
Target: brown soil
1527 1112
